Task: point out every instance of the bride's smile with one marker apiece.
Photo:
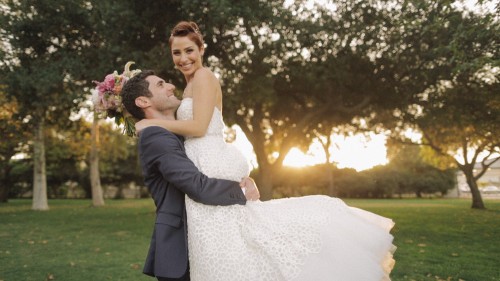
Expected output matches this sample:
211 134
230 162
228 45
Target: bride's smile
186 66
187 56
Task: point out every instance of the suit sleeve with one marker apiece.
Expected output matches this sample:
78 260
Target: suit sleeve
163 151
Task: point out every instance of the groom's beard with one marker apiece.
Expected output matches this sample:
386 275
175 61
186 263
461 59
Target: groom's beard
167 110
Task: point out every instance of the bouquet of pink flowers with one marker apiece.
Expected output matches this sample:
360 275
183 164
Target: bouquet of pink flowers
108 101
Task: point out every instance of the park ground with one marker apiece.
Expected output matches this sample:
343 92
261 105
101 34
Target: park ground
437 239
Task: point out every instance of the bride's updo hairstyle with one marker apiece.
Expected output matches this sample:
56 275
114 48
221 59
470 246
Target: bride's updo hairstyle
189 29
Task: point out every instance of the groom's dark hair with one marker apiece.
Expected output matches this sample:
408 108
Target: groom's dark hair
135 87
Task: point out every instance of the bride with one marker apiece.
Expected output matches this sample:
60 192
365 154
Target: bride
305 238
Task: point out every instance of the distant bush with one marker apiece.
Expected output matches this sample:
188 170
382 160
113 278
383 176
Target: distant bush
379 182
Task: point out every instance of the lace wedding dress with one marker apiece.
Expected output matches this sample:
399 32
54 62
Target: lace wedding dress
305 238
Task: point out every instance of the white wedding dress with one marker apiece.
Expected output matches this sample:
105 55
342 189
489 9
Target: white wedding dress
311 238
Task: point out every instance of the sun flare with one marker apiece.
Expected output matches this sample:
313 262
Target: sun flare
358 152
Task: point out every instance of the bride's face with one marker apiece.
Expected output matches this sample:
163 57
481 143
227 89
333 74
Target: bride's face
187 55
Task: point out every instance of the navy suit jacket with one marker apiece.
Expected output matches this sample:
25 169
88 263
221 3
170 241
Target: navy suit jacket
169 176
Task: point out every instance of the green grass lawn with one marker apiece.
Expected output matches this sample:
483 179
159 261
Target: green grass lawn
437 239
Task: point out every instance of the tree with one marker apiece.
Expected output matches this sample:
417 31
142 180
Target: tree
71 151
119 160
44 59
13 138
466 121
455 101
63 157
414 174
132 30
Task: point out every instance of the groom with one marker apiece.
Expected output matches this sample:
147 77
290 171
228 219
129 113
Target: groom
170 175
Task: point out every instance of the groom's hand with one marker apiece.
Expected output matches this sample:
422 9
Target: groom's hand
250 189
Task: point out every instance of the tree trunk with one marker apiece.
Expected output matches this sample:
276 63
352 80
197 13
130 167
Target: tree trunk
39 173
265 178
331 184
4 193
119 192
5 183
329 173
265 182
477 200
95 179
328 166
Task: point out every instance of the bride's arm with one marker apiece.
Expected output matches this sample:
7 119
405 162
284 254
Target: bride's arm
204 87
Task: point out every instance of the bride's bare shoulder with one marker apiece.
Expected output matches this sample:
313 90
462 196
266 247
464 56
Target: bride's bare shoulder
204 73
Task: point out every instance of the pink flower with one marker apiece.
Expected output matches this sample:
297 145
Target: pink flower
107 97
108 84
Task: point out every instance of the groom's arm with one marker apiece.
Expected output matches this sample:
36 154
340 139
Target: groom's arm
163 151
